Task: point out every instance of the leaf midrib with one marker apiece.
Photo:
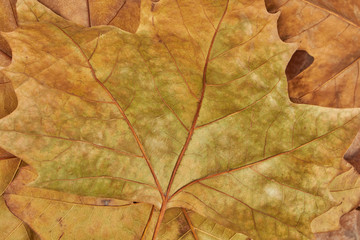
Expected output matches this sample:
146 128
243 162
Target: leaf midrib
192 129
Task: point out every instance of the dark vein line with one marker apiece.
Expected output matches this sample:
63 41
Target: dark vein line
59 89
70 93
88 12
31 10
340 33
174 218
14 13
248 73
118 11
285 3
97 43
282 184
207 17
148 223
266 134
159 94
187 29
80 141
61 235
3 83
13 177
74 203
356 84
8 158
17 226
243 109
241 44
192 129
312 26
129 104
96 178
113 68
121 111
343 190
254 221
201 201
332 77
188 220
332 13
261 160
179 71
170 108
42 212
251 208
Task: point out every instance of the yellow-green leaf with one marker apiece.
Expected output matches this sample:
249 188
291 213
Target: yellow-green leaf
190 112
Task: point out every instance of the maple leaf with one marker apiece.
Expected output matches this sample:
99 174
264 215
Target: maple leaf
328 31
188 116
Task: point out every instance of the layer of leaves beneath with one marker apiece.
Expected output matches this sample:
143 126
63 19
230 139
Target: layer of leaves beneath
328 31
184 125
10 226
124 14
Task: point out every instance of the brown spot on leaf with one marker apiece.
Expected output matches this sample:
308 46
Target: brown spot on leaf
59 220
105 202
61 235
183 226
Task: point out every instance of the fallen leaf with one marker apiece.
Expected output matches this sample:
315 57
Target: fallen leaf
191 112
329 32
7 24
124 14
350 223
10 226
